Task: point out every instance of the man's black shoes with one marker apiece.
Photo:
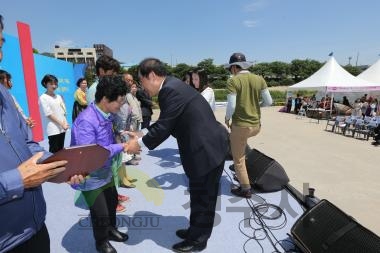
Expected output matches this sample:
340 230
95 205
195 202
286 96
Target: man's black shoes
189 246
117 236
182 233
105 247
241 193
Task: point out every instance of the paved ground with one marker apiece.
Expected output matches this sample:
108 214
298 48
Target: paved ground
344 170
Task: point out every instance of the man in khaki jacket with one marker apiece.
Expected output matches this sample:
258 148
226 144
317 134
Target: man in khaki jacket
243 107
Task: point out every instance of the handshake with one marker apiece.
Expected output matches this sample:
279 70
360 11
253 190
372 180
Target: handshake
132 146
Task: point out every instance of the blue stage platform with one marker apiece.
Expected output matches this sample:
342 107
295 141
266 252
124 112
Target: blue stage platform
159 206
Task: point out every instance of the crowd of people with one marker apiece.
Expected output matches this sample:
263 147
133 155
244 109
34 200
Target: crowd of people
115 112
361 116
362 106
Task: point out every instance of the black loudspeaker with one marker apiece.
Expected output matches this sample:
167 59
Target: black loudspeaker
326 229
265 174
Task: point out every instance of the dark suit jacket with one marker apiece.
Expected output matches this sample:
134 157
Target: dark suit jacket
186 115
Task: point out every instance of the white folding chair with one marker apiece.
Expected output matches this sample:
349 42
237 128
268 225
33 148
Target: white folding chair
301 113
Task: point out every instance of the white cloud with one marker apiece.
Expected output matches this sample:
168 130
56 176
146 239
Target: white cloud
254 6
250 23
65 43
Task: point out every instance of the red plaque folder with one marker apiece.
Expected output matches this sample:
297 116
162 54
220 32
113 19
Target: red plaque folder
81 160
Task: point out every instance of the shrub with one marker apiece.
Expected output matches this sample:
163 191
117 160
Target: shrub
287 82
220 95
218 84
278 96
272 83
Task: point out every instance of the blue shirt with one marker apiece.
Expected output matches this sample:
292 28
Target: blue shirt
22 211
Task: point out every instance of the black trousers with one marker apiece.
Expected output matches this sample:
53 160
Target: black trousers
40 242
203 197
56 142
102 203
146 122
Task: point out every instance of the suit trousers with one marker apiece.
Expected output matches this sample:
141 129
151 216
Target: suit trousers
102 203
146 122
56 142
238 139
40 242
203 198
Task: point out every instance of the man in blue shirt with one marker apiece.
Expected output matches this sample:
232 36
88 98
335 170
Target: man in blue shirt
22 204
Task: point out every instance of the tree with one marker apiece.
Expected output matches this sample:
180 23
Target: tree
90 75
207 65
262 69
353 70
302 69
181 69
279 69
133 71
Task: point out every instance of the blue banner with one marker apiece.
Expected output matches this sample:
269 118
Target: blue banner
64 71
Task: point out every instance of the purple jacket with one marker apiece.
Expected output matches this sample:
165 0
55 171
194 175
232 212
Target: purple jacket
91 127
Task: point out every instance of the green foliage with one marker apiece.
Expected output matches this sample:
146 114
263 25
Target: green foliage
133 71
220 94
276 73
302 69
278 95
180 70
279 69
279 103
353 70
262 69
273 83
207 65
89 75
304 93
218 84
287 81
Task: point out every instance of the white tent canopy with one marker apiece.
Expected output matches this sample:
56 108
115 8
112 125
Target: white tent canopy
331 77
372 74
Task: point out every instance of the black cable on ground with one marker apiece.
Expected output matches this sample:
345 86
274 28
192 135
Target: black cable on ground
258 217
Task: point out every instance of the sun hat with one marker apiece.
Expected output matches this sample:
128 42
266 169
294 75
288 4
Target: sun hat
238 59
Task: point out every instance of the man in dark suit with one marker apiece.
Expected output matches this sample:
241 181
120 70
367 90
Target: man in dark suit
202 143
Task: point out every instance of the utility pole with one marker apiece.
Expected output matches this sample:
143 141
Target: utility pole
357 59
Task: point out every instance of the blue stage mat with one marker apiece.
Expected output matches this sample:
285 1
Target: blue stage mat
159 206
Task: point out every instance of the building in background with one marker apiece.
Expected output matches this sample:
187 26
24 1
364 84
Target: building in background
86 55
102 49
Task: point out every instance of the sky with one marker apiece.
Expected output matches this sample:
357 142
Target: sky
189 31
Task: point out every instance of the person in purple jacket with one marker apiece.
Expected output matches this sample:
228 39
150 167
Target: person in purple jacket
94 126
